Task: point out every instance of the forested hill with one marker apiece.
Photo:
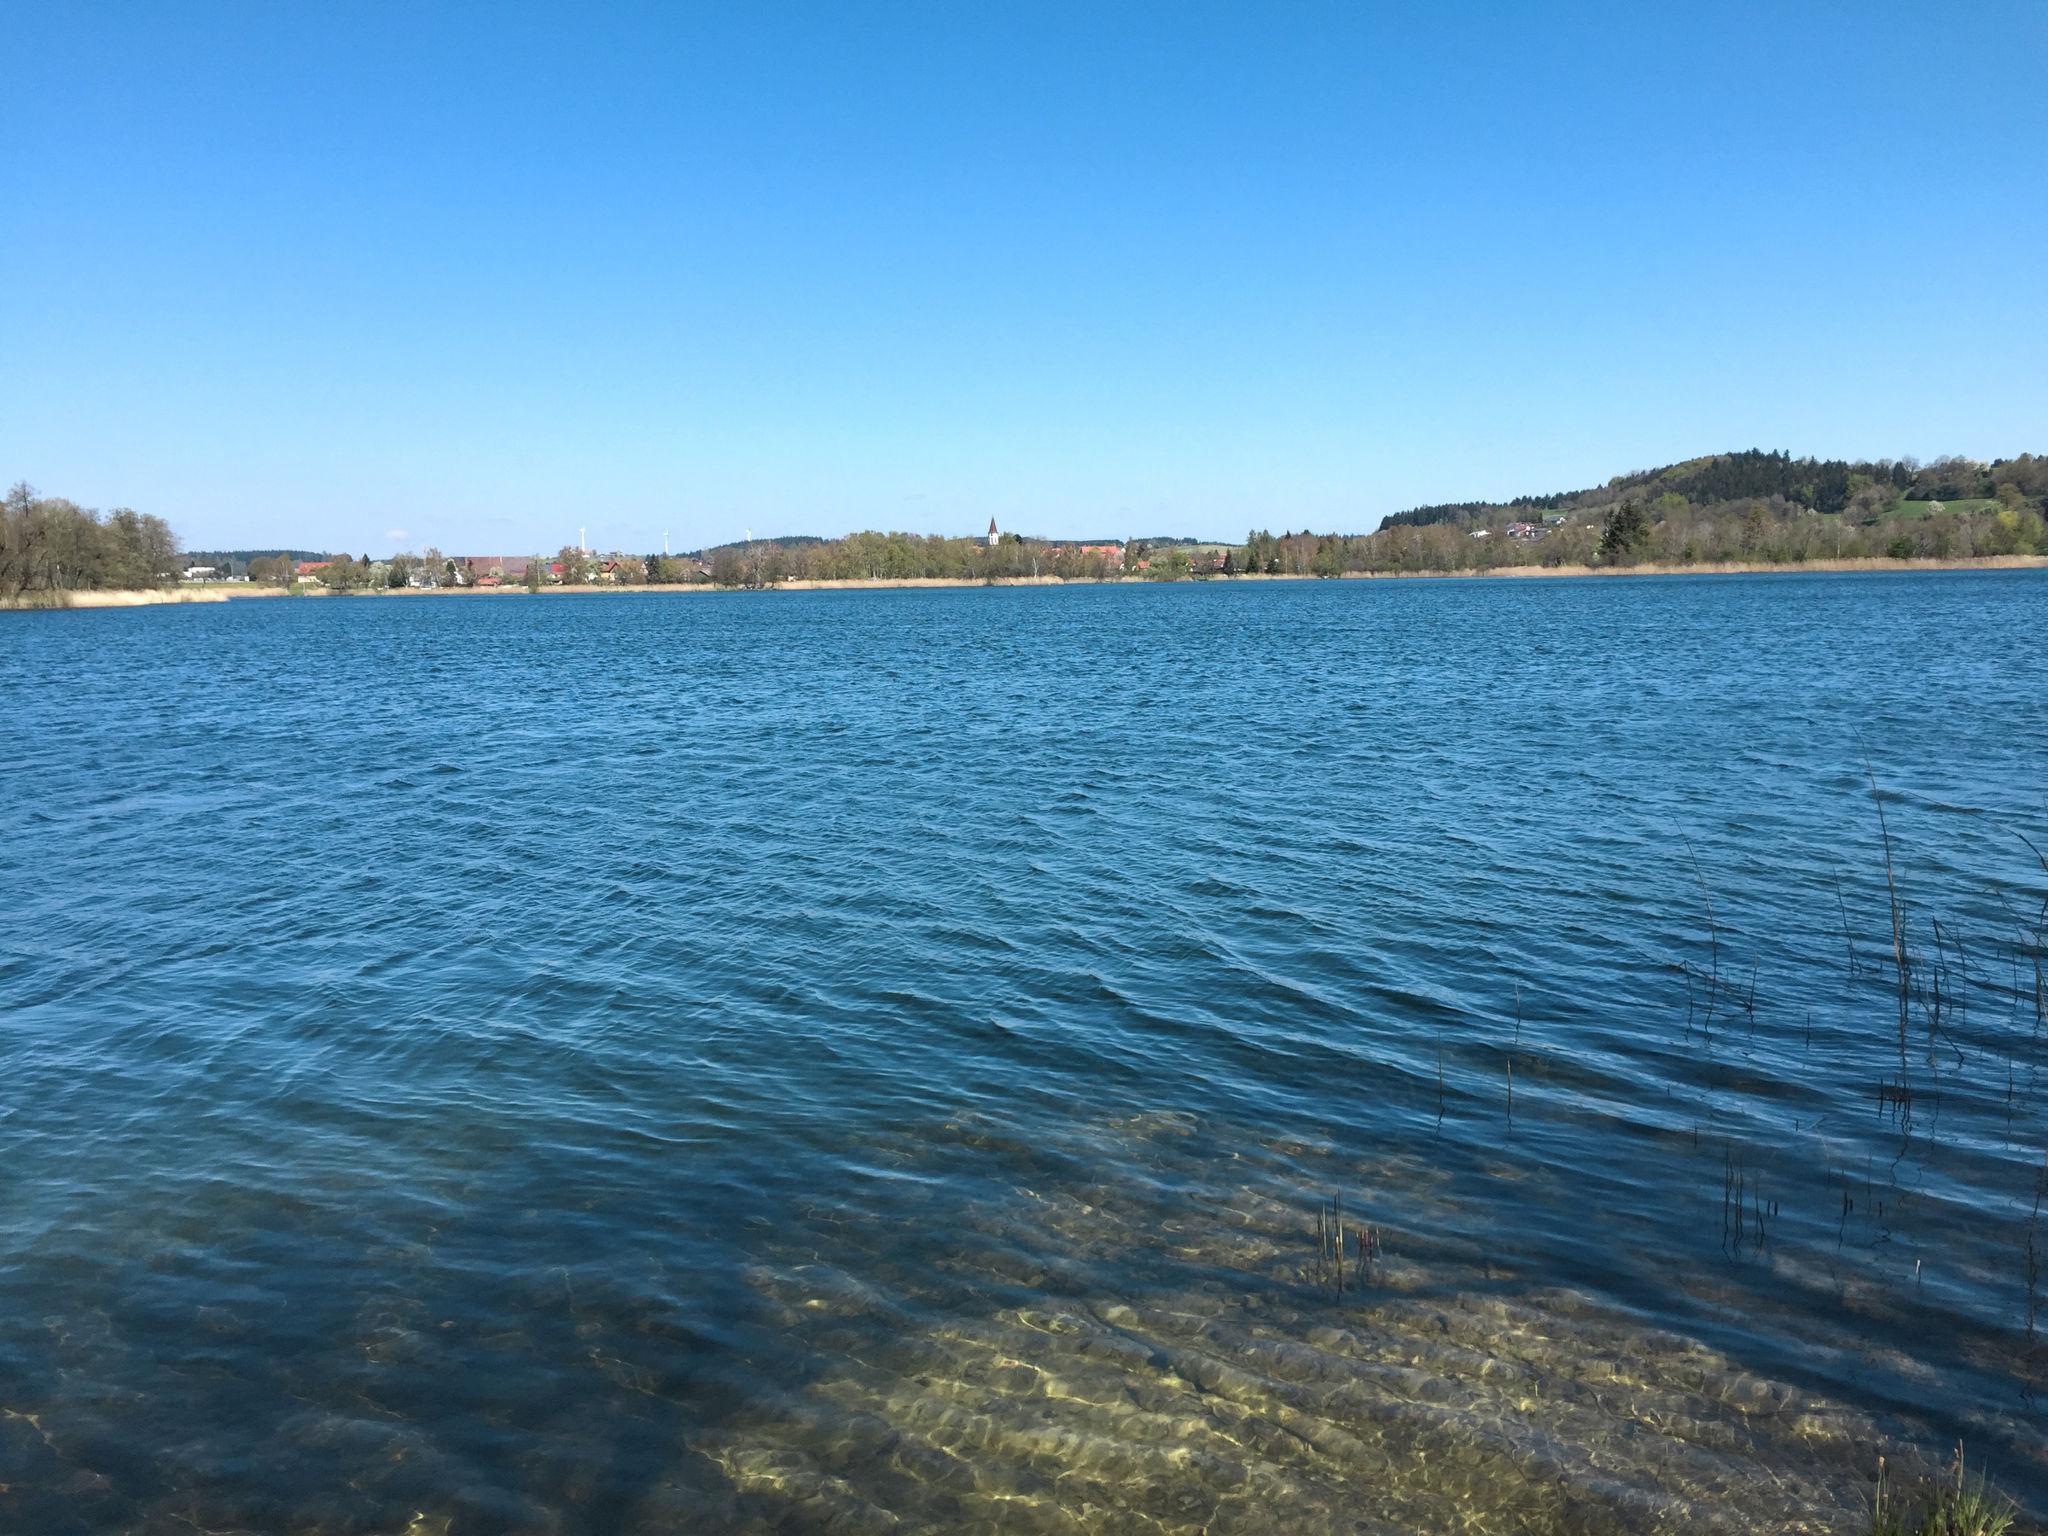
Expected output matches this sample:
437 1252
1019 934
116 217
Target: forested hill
743 547
1824 485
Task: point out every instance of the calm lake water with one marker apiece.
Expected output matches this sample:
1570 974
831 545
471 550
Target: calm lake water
875 1061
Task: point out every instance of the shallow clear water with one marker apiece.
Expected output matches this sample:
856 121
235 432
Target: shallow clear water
870 1061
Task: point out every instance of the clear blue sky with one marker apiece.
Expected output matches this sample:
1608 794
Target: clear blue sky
363 275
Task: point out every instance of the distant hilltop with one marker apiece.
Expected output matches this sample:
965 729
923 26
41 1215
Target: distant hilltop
1751 508
1821 485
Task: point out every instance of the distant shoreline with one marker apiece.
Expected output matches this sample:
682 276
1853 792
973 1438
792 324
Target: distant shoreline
231 593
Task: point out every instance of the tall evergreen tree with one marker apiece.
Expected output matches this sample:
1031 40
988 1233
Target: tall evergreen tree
1625 531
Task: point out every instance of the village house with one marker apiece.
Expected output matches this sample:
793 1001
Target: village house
1111 555
489 570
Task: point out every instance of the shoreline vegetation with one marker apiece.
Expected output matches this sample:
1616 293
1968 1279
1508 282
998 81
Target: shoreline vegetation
1730 513
225 593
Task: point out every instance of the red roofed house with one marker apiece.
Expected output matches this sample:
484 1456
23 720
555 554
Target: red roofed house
1113 554
494 570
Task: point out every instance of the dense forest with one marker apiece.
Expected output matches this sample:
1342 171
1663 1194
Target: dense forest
1751 506
1823 485
1465 511
49 546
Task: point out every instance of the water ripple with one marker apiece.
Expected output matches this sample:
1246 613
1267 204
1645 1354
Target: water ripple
874 1061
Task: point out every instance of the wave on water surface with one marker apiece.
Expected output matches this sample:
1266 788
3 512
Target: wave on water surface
900 1061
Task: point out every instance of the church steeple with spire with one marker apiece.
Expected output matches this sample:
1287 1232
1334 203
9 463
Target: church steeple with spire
993 537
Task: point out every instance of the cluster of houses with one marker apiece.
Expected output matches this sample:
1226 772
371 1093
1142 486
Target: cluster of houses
1523 530
496 570
1111 555
481 571
504 570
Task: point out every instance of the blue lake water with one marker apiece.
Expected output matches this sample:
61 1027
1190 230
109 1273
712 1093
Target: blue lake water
878 1061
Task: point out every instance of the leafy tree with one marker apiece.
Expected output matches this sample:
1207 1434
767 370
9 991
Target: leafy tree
1170 564
48 544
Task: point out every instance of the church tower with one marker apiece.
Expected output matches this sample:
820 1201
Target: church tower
993 536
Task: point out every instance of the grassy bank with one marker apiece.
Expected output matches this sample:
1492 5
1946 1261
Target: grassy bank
147 598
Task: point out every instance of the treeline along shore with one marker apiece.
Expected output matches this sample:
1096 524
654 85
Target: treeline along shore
1749 511
226 592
